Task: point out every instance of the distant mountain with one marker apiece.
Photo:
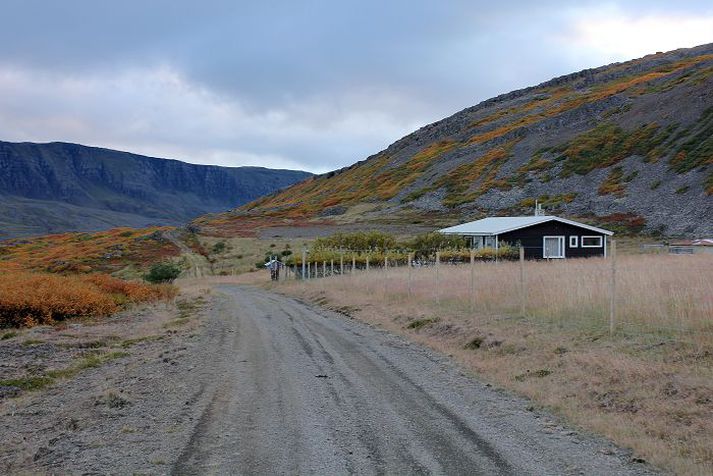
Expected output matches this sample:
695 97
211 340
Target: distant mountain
56 187
628 146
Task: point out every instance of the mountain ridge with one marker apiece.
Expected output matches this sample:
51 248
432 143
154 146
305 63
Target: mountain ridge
627 145
59 186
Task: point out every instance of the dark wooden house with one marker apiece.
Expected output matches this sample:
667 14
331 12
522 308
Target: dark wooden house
542 237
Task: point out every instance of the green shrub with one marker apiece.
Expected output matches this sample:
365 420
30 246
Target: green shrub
162 273
419 323
219 247
357 241
427 243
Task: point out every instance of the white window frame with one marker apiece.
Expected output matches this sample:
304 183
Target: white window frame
599 237
544 247
573 241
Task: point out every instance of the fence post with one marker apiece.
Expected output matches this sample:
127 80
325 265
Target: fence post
367 272
324 268
438 288
304 263
309 270
410 261
472 280
386 275
522 281
612 290
341 263
353 263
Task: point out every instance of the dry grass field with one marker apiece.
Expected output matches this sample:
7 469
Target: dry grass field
647 386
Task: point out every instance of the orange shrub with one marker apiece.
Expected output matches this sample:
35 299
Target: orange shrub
28 299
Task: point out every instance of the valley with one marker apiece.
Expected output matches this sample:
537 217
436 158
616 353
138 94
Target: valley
140 332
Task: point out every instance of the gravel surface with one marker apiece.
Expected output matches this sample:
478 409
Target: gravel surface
308 391
263 384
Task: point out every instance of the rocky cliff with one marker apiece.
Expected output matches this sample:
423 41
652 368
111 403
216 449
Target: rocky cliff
48 188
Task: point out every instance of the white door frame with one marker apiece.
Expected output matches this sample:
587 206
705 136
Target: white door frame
561 240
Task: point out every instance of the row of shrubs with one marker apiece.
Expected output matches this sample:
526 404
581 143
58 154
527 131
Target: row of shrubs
28 299
400 257
376 246
421 245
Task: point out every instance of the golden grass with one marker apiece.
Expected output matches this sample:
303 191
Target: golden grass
648 387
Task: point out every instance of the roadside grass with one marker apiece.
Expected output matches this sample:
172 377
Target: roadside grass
187 308
28 383
418 323
31 342
112 399
649 386
38 382
128 343
94 344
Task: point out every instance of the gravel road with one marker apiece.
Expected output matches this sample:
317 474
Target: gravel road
305 391
253 382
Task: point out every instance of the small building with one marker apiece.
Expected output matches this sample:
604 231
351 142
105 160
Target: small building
542 236
689 247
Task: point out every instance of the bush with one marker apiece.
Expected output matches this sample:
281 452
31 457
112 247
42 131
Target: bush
358 241
28 299
162 273
219 247
428 243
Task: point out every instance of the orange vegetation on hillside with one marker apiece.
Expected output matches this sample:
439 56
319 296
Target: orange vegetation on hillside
374 179
563 100
105 251
471 179
387 174
28 299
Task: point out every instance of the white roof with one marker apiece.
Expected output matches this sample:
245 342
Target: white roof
499 225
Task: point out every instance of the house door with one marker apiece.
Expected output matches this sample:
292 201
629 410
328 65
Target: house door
553 247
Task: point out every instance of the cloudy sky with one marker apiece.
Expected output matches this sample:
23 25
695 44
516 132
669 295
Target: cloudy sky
297 84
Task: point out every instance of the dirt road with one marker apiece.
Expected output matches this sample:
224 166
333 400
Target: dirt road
303 391
258 383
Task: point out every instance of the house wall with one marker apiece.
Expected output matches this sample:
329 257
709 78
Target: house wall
531 238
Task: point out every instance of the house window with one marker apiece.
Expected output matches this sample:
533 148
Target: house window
573 241
592 242
553 247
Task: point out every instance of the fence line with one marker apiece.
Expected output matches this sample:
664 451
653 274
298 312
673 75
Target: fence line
638 294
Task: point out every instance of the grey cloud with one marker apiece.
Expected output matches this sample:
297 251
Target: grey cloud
317 84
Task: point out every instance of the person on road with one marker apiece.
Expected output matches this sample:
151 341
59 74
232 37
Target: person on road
274 266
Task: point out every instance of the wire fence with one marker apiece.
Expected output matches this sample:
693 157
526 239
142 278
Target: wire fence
658 295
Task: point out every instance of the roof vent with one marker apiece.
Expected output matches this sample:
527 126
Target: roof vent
538 209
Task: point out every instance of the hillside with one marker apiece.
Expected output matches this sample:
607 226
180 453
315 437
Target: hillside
57 187
628 146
